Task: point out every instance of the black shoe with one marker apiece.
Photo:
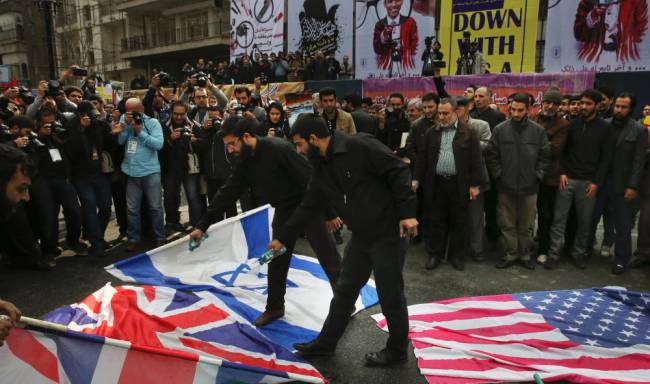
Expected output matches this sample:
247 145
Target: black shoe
528 264
80 249
433 262
268 316
313 348
458 263
385 357
638 262
505 263
551 264
338 238
174 227
580 262
618 269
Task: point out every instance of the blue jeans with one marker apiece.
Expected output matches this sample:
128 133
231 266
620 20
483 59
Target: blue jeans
95 195
191 185
149 186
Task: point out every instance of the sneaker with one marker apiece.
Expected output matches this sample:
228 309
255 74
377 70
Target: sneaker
606 251
78 248
542 258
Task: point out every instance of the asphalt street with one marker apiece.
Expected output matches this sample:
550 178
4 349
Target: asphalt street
37 293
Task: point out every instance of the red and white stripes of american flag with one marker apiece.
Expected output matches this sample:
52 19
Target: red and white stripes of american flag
497 339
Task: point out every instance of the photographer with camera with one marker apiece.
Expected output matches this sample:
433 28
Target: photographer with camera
184 140
51 93
395 123
88 137
431 57
52 189
246 107
154 101
276 123
280 68
19 240
200 81
143 138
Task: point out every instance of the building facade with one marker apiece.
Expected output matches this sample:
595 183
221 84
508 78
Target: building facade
22 41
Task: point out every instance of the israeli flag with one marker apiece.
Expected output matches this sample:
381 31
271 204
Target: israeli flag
225 268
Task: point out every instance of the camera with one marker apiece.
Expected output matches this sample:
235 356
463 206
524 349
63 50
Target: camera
79 72
34 141
54 88
137 118
201 79
5 133
186 131
216 122
165 79
25 95
57 128
240 109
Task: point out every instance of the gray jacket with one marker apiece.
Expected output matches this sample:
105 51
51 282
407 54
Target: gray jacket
484 134
517 156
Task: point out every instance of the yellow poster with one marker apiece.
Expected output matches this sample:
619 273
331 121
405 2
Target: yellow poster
495 36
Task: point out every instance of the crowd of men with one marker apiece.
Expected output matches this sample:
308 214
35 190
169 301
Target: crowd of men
453 172
267 68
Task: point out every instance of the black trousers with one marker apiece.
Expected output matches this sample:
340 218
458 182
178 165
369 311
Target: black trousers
492 231
118 190
447 219
213 187
321 242
383 256
643 241
48 196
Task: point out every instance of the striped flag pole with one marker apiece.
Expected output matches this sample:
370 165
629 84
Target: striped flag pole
59 328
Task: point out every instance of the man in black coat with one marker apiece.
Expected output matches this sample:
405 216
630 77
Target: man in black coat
277 175
450 166
626 172
363 122
370 188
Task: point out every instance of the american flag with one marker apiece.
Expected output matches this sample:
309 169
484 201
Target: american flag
583 336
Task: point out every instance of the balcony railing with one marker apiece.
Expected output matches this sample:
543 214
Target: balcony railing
14 34
176 36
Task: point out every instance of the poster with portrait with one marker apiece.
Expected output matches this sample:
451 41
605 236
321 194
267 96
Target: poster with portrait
256 25
390 37
597 35
489 36
321 25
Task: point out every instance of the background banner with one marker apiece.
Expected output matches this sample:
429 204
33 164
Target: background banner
321 25
588 35
256 24
390 37
502 85
505 30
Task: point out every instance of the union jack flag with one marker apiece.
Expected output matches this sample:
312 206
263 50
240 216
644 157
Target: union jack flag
583 336
158 335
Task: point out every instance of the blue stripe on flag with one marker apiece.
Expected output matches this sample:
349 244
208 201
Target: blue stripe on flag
182 300
369 296
65 315
78 357
256 230
232 373
313 268
245 337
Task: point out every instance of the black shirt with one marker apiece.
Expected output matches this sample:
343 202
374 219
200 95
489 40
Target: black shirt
588 150
492 117
275 173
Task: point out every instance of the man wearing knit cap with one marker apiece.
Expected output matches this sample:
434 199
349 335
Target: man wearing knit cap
556 130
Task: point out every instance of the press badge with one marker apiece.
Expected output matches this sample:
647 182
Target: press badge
55 155
132 146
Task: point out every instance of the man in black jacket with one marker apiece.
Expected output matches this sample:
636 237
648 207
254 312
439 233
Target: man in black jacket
483 111
277 175
370 188
584 165
518 155
450 167
184 141
396 123
216 163
363 122
625 174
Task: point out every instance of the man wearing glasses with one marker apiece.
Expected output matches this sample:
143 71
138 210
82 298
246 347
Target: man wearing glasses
277 175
